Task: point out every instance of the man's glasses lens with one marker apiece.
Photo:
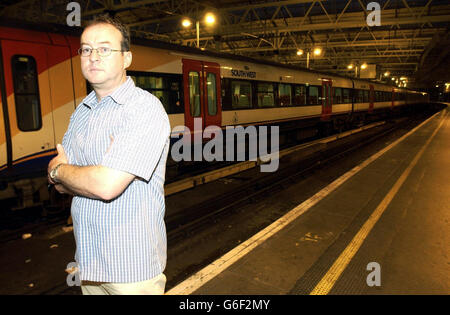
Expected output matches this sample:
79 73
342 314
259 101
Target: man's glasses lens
101 51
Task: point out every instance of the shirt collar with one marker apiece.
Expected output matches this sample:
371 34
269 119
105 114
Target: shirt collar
90 100
123 92
120 95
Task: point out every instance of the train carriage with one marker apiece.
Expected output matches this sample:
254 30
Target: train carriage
41 84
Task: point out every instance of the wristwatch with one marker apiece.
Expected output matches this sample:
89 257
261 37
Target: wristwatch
54 173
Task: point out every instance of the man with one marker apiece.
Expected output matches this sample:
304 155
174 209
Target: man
112 160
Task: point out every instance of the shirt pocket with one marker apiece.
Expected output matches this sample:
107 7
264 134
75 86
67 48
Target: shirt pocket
103 126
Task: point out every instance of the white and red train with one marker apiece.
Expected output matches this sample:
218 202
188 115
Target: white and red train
41 84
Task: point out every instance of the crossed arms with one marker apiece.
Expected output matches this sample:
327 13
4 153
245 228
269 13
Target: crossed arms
95 182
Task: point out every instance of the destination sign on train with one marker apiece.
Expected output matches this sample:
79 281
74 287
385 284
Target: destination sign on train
243 74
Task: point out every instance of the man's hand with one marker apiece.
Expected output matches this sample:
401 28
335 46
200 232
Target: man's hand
62 190
61 158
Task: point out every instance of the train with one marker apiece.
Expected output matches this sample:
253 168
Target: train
41 84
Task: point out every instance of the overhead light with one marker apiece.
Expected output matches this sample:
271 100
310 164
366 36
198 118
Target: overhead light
393 78
350 66
210 18
317 51
186 22
387 73
364 66
299 52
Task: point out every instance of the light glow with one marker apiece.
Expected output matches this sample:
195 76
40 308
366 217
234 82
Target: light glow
186 22
210 19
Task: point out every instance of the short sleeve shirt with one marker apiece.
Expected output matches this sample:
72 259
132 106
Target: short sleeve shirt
122 240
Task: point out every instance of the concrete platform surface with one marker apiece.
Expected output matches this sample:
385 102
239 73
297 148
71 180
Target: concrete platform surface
405 250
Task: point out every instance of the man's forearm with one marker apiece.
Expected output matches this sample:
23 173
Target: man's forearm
81 180
63 189
95 182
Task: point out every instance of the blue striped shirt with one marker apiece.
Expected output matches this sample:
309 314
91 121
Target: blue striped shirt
123 240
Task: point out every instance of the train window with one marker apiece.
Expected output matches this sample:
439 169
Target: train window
346 97
285 94
167 88
359 96
314 95
337 96
226 94
242 94
26 93
194 93
265 94
212 93
300 95
379 95
366 96
356 96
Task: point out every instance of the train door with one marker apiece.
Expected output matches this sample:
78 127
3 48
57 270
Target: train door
202 93
28 97
61 87
371 98
326 99
5 138
392 98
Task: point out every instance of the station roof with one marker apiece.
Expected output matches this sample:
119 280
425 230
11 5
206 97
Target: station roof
412 39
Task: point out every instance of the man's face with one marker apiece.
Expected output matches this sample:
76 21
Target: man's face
104 72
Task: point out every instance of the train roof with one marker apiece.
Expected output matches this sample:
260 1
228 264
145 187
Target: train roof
76 31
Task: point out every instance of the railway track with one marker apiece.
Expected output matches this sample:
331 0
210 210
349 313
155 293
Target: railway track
193 218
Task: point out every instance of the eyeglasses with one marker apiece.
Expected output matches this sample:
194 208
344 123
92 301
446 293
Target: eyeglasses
101 51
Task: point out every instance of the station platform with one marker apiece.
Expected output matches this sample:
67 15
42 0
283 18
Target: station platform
380 228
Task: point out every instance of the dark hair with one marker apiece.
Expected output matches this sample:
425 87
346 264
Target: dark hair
106 19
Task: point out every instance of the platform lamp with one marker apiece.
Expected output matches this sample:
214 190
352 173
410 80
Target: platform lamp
357 66
317 51
209 19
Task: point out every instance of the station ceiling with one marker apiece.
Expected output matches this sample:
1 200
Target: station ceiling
412 40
